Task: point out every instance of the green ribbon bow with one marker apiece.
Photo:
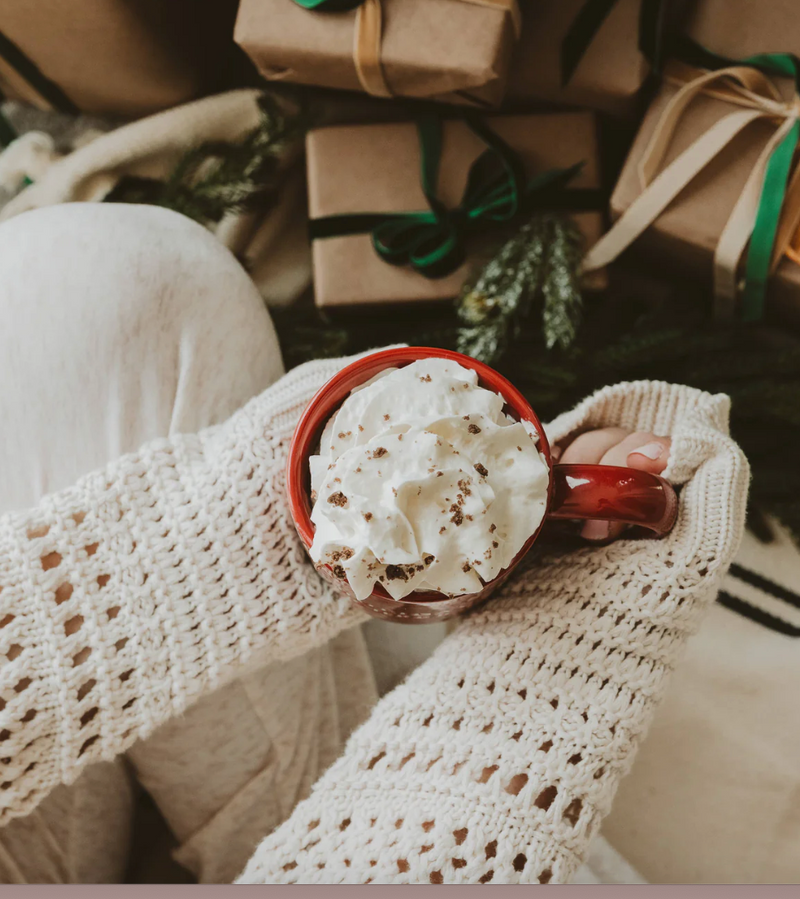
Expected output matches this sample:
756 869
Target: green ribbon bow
776 177
593 13
431 241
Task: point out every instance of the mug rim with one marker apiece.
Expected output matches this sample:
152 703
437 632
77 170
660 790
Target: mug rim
333 393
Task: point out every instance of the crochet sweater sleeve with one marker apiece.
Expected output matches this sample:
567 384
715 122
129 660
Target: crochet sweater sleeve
127 596
497 758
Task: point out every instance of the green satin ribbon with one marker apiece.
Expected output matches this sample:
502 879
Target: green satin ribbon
591 16
329 5
431 241
776 177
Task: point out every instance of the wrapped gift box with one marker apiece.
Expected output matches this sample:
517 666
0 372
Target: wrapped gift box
610 73
453 50
376 168
685 235
744 27
123 58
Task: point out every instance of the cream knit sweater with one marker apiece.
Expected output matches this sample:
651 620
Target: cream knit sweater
148 584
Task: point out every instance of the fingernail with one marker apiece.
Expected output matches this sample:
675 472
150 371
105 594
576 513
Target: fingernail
596 530
651 450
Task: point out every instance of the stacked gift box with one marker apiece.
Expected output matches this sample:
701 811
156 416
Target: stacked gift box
542 77
710 145
457 54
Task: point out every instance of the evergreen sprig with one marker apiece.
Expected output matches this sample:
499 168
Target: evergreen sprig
561 287
539 265
216 178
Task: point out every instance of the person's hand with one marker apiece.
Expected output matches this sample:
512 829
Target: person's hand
613 446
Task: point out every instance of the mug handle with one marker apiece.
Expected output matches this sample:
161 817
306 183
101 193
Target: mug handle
613 493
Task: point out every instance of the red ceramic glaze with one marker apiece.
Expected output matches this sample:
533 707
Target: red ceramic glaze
575 491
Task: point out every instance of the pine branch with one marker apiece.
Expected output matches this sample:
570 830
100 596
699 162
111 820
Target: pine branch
216 178
541 260
561 288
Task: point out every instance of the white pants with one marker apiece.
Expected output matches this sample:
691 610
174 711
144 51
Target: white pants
121 324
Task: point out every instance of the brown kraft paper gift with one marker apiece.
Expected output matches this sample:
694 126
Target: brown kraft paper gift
125 58
376 168
739 28
609 75
448 50
687 232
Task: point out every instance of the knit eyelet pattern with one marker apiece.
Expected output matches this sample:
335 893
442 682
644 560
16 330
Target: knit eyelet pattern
497 759
146 585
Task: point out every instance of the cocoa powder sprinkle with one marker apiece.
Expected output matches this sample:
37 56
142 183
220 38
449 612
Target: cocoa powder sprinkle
481 469
474 429
396 573
337 499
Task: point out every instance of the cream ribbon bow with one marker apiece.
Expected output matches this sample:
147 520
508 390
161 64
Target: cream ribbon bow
759 98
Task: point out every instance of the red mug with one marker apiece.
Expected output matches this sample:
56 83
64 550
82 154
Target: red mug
604 492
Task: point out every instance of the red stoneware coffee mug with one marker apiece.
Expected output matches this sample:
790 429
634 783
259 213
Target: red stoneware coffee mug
574 492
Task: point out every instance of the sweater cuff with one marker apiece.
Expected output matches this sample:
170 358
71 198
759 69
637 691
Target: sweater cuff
695 420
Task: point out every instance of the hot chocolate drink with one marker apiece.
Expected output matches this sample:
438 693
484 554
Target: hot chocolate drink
422 482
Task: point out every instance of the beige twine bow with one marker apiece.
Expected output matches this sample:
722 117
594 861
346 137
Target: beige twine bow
759 98
369 35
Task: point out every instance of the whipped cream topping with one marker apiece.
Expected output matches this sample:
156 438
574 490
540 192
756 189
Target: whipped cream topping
422 482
